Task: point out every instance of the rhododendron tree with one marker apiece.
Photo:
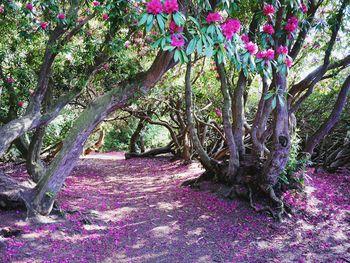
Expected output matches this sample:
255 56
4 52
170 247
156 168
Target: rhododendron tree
114 52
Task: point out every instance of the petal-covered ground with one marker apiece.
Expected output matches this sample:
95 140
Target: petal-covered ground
135 210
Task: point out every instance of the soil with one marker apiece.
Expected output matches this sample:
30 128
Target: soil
117 210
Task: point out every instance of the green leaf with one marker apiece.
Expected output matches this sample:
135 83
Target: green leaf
199 46
168 48
160 22
268 95
274 102
194 21
191 46
177 55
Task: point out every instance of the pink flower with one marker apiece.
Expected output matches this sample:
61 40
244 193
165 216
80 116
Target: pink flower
171 6
230 27
61 16
154 7
261 54
2 9
270 54
173 28
303 8
289 62
213 17
293 20
218 112
44 25
291 27
251 47
96 3
268 29
20 104
105 17
105 66
245 38
177 41
269 10
29 6
282 50
10 80
126 44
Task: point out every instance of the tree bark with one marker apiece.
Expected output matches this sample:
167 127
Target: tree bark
340 103
136 136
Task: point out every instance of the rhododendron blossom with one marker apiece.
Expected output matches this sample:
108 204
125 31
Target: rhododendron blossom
10 80
270 54
154 7
230 27
61 16
105 17
251 47
171 6
96 3
44 25
20 104
245 38
289 62
218 112
282 50
177 41
213 17
173 28
261 54
2 9
29 6
292 24
268 10
303 8
268 29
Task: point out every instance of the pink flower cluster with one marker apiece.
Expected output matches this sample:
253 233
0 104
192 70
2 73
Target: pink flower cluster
213 17
266 54
61 16
174 28
2 9
29 6
171 6
292 24
268 29
105 17
251 47
218 112
303 8
44 25
230 27
282 50
177 41
96 3
289 62
245 38
268 10
155 7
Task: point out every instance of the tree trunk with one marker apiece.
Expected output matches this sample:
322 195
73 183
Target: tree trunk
234 155
42 198
279 155
133 148
315 139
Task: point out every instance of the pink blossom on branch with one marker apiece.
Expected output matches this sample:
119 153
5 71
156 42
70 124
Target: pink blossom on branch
268 29
282 50
270 54
173 28
292 24
154 7
261 54
29 6
251 47
96 3
230 27
289 62
213 17
171 6
177 41
61 16
105 17
218 112
303 8
2 9
44 25
245 38
268 10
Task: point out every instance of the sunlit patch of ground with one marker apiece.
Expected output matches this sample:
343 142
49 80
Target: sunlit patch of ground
134 210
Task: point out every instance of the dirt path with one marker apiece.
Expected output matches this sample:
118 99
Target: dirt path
135 211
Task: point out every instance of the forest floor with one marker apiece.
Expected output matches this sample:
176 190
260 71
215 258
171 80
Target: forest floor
135 210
